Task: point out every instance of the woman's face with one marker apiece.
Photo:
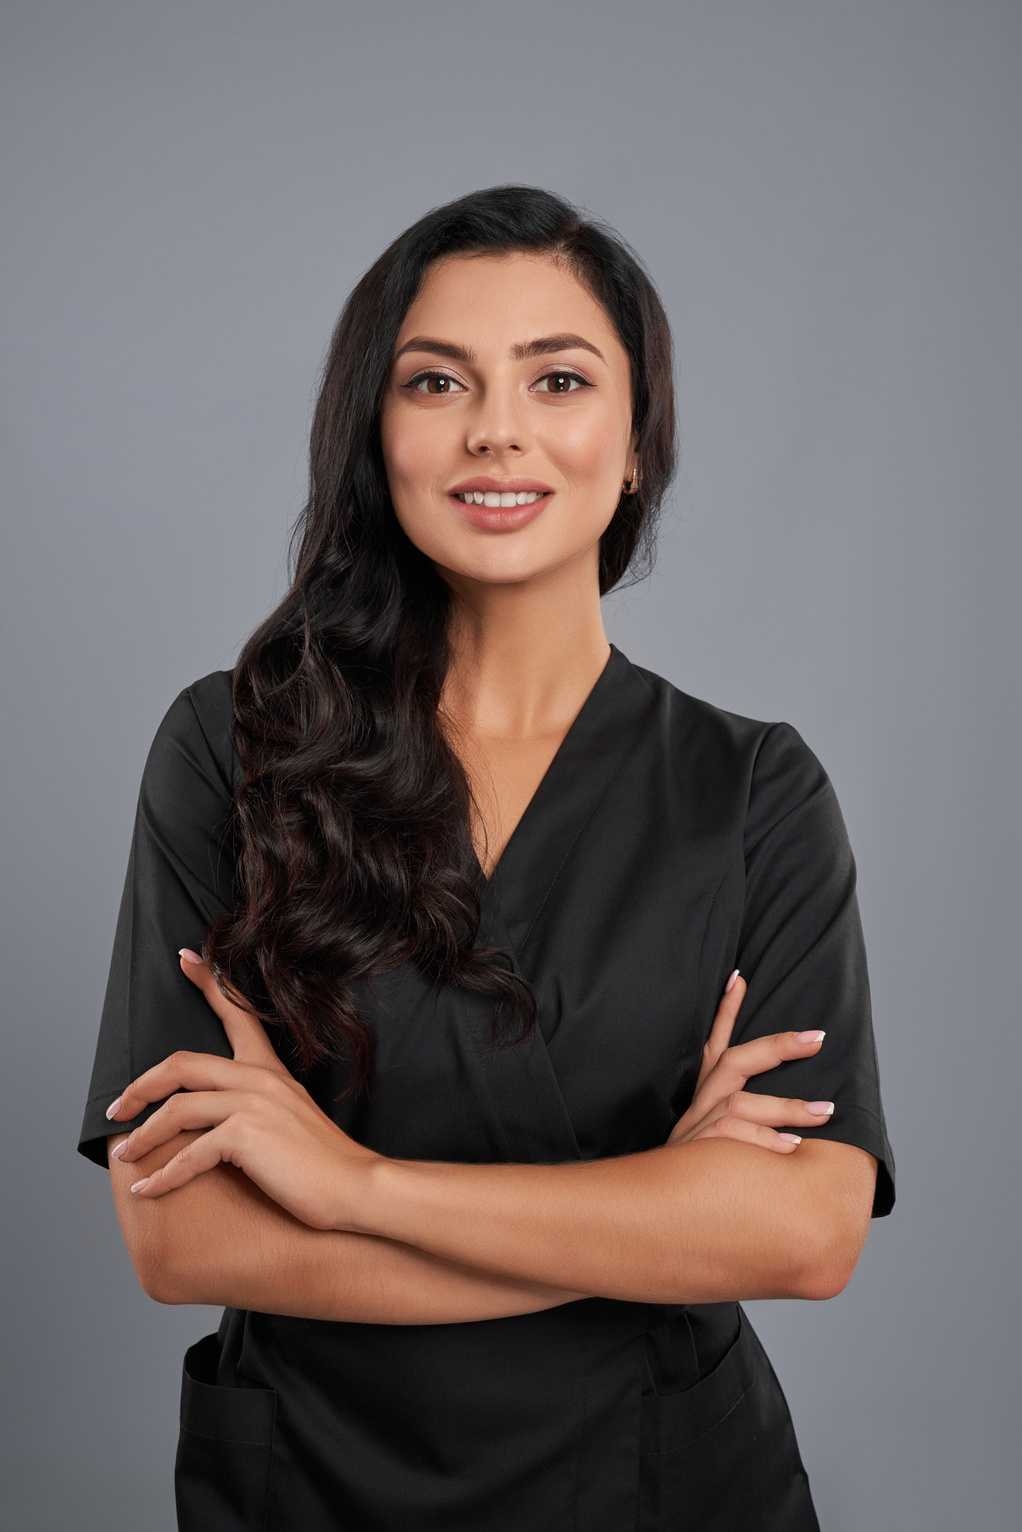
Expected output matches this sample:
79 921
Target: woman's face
509 386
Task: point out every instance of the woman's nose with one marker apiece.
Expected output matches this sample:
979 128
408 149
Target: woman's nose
498 426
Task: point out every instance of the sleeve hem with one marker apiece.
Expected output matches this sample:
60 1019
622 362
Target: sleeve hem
97 1127
861 1127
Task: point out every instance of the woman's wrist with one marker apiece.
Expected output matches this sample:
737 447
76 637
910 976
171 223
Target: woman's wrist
401 1199
369 1192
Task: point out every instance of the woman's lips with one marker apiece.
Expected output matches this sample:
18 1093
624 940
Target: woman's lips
500 506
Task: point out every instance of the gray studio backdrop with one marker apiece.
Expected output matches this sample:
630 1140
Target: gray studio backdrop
828 195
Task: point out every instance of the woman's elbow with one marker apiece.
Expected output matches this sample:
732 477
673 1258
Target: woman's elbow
156 1285
827 1276
161 1251
825 1265
159 1275
171 1239
164 1287
836 1218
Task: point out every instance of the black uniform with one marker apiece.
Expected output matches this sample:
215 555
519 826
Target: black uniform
667 844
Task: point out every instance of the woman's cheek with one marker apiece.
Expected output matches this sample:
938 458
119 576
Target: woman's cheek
592 457
593 444
408 455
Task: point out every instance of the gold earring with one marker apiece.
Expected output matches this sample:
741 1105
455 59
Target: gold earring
632 484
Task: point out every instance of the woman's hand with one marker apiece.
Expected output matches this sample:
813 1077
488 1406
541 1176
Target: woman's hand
721 1106
256 1116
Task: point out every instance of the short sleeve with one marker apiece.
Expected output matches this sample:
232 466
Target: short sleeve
180 878
801 949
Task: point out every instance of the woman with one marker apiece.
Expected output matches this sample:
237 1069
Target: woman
481 1197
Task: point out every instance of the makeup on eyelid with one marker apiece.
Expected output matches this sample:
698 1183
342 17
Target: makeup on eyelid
454 386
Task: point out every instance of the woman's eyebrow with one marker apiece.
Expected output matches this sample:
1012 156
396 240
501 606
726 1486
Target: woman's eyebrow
541 347
437 347
548 343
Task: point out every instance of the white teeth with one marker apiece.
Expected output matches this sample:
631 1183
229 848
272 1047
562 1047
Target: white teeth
494 500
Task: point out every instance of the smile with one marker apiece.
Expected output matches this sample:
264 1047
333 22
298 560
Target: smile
493 500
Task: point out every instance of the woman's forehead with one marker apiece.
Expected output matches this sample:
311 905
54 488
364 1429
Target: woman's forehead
513 298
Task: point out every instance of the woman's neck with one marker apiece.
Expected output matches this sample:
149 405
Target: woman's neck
524 657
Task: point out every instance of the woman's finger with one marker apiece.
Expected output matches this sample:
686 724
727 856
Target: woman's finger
749 1133
245 1032
723 1024
732 1071
775 1111
203 1153
749 1106
181 1071
741 1062
183 1113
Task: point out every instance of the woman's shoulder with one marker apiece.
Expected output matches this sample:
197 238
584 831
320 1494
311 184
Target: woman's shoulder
768 762
196 739
685 714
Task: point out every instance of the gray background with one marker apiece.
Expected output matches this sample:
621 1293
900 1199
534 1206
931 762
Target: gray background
828 195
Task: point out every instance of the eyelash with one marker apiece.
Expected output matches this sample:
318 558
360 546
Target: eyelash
566 372
555 372
421 377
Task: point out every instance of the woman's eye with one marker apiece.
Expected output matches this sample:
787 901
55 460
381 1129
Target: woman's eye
561 383
434 383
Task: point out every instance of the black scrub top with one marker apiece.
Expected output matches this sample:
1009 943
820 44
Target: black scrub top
668 843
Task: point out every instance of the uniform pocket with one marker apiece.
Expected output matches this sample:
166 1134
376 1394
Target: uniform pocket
673 1420
722 1456
222 1474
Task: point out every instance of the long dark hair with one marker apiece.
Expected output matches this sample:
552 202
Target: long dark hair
352 818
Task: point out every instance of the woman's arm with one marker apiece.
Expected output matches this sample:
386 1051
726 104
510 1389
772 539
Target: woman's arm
689 1223
222 1241
789 1224
440 1243
707 1217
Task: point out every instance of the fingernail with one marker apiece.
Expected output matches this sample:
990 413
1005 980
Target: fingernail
729 986
789 1138
820 1108
140 1186
188 955
114 1108
810 1037
118 1149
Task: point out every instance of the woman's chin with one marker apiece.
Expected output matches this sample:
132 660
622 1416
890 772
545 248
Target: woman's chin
508 566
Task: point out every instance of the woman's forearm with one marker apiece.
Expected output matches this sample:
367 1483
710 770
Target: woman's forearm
710 1216
690 1223
220 1241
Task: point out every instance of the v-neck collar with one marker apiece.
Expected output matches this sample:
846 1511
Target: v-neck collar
572 727
586 762
528 1116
